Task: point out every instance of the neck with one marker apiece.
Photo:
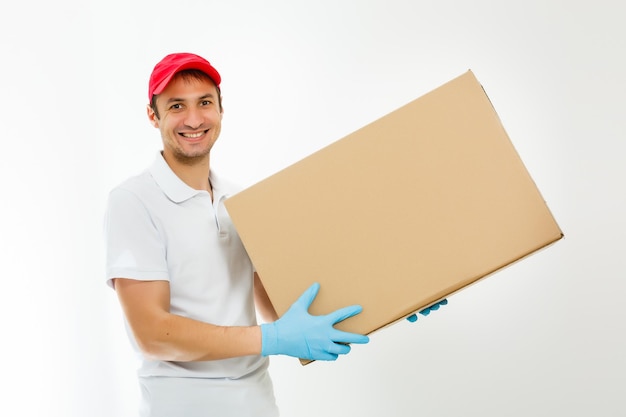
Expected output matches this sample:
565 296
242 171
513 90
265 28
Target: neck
192 171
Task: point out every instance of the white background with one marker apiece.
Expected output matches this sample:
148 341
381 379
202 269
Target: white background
544 337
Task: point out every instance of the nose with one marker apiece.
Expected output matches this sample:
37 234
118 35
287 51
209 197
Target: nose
194 118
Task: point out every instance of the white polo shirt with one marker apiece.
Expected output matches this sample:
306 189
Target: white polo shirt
159 228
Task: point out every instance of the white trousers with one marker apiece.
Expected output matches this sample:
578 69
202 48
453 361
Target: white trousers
208 397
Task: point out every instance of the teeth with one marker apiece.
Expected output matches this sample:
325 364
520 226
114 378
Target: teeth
192 135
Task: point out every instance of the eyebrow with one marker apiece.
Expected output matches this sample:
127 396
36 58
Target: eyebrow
176 99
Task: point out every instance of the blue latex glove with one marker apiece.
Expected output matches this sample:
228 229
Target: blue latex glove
413 317
299 334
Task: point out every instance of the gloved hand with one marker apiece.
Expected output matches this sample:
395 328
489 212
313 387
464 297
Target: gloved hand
299 334
413 317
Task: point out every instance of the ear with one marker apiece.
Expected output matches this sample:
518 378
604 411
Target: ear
154 121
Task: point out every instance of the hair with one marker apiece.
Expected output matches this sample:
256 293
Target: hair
189 75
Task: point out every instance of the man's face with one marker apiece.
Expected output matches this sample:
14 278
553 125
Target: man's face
190 118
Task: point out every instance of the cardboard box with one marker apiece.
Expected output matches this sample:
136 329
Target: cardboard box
399 214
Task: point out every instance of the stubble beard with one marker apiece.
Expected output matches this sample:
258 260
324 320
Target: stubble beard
185 158
188 158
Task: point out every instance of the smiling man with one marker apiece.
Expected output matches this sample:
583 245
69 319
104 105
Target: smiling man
186 107
185 283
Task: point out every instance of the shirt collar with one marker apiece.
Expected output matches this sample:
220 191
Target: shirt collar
175 189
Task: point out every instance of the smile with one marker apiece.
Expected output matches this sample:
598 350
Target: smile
193 135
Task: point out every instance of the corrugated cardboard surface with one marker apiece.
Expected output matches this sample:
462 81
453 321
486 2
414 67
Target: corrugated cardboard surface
399 214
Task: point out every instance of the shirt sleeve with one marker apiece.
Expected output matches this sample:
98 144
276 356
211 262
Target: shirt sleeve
134 246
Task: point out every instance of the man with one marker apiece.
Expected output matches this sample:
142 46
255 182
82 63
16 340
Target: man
185 283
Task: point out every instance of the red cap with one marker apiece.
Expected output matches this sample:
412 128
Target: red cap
173 63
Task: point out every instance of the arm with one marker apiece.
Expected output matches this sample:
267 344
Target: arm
161 335
262 301
165 336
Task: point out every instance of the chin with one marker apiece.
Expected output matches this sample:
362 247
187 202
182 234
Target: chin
191 155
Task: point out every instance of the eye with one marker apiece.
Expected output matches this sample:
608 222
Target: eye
176 106
205 102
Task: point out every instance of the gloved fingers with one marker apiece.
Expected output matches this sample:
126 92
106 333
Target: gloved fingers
434 307
324 356
339 349
425 311
307 297
344 313
439 304
339 336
